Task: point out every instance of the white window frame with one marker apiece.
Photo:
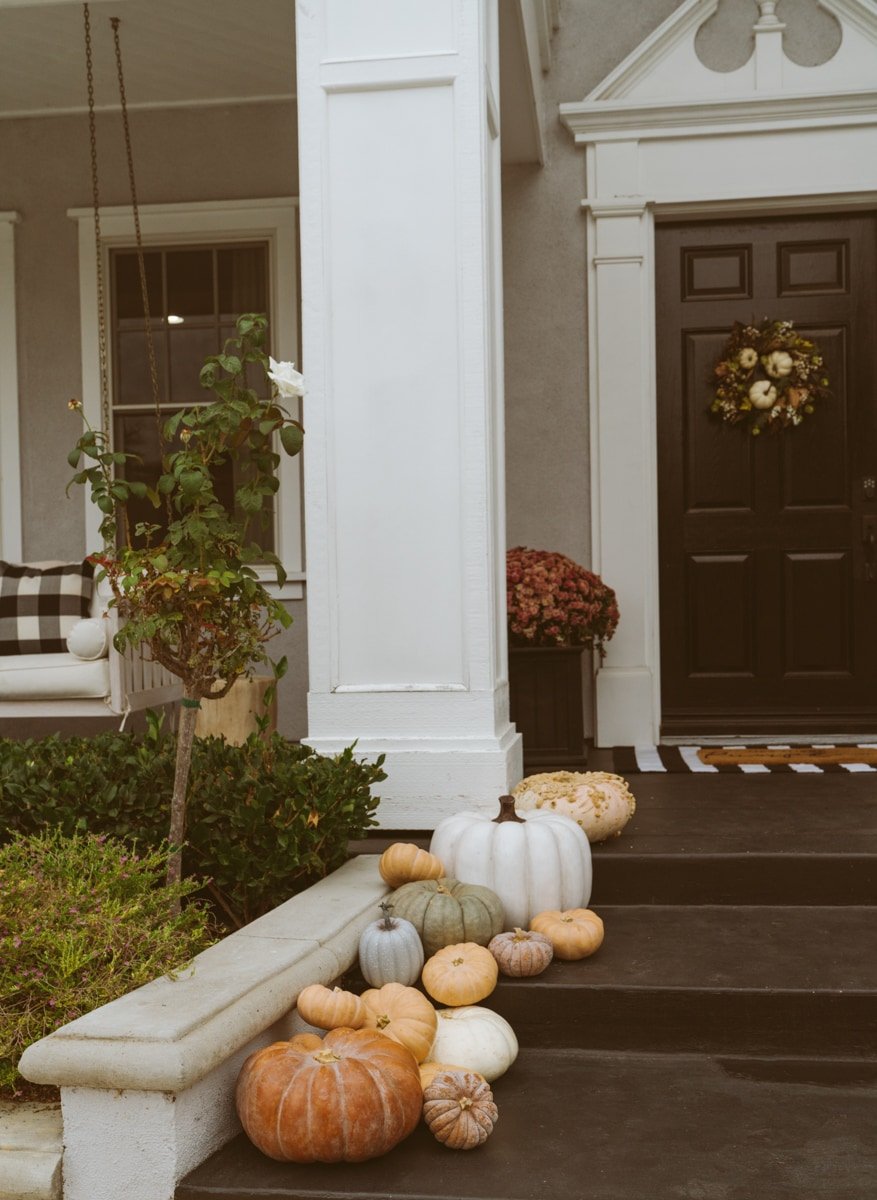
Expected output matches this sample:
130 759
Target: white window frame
10 445
272 221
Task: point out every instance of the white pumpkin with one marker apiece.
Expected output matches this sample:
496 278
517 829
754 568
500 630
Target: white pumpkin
390 951
476 1038
530 862
762 394
779 364
600 803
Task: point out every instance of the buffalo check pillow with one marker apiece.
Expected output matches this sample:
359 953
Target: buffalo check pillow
40 605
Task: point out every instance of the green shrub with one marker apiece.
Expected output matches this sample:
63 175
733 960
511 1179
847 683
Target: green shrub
83 920
266 819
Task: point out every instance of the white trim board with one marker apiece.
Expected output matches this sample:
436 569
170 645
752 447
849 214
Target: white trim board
666 138
272 220
10 445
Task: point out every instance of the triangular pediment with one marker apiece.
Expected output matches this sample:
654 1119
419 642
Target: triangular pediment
665 72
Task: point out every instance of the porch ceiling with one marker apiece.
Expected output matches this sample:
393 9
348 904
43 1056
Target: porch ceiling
175 52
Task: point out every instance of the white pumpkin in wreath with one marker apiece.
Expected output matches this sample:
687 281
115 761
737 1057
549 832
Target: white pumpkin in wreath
600 803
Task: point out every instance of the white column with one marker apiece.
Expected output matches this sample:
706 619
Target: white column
10 448
623 469
402 353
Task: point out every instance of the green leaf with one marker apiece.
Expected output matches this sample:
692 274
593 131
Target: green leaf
74 456
138 489
292 439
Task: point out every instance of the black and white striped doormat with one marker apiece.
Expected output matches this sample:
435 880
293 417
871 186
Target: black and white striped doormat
757 760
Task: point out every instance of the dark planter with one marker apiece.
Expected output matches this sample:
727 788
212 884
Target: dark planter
545 696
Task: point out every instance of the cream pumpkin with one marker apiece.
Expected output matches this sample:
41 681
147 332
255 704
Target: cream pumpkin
574 934
600 803
533 862
477 1038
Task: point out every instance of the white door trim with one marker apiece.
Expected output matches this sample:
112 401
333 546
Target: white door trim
10 445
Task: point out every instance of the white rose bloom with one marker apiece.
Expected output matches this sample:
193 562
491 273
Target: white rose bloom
287 380
778 364
762 394
748 358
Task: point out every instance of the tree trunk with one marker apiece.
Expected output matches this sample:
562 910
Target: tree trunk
185 737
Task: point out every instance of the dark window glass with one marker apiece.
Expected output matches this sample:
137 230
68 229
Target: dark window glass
206 289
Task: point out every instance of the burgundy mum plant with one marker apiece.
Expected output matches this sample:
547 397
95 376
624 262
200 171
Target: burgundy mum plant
552 601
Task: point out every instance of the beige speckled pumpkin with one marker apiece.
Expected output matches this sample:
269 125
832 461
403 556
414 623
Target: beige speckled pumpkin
331 1008
600 803
521 952
459 1109
403 862
461 974
574 934
403 1014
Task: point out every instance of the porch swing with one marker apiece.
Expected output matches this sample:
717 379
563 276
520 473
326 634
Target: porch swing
89 678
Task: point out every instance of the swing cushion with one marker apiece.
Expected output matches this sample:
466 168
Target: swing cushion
52 677
40 605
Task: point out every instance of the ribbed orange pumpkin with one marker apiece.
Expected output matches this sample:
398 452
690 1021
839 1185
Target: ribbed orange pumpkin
354 1098
574 933
403 862
330 1008
403 1014
461 974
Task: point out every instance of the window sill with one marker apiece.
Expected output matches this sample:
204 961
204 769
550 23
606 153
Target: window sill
293 589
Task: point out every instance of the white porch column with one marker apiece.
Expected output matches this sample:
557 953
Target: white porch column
623 470
402 354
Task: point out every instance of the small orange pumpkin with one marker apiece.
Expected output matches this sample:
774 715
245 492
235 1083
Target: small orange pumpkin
574 933
522 952
353 1098
403 862
460 974
403 1014
459 1109
330 1008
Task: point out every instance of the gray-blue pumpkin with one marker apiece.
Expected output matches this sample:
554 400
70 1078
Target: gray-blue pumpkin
390 951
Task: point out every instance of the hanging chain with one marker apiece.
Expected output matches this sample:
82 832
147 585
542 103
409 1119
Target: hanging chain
141 262
101 305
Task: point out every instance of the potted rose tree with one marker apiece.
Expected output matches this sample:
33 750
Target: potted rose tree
186 588
556 611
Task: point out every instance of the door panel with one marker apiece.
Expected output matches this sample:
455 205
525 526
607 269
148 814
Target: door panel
768 614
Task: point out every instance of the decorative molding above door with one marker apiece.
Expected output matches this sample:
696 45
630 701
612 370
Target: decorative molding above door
665 136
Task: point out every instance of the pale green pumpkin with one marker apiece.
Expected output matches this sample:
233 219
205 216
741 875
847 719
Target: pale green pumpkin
446 911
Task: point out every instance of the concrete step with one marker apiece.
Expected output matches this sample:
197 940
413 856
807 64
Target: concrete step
719 979
731 839
574 1123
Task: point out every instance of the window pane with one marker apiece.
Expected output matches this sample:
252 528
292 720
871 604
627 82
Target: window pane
190 283
132 367
243 285
188 348
136 433
128 293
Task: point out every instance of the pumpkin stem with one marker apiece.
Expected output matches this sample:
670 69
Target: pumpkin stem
386 909
520 935
382 1021
327 1056
441 889
507 811
465 1102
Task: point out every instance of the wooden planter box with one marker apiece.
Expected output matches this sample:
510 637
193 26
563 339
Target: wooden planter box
545 693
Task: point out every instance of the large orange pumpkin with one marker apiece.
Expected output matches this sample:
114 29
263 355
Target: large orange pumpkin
354 1098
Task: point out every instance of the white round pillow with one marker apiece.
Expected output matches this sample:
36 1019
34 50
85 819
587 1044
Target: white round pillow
88 639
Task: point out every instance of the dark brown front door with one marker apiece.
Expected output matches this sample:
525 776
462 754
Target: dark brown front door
768 593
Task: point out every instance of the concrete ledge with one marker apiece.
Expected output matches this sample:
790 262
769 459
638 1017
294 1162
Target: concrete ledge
30 1151
171 1033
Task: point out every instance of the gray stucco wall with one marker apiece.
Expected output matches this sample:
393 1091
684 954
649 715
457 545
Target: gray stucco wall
213 153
